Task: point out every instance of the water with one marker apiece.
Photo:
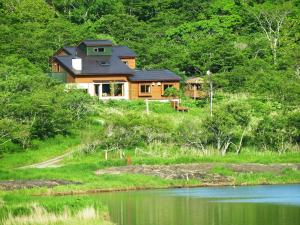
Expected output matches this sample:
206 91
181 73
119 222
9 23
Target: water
251 205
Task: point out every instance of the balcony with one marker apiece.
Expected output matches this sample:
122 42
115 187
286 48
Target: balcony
60 76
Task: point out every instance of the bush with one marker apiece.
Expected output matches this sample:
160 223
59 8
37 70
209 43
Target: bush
36 106
277 132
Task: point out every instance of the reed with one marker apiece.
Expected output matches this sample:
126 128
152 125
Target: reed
39 215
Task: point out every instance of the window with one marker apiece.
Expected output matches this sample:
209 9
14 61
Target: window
125 62
165 87
113 90
106 90
99 49
119 89
96 86
103 63
145 89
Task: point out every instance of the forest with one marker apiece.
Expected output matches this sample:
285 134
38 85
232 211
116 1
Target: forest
252 48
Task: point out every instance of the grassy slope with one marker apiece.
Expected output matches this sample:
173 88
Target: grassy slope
81 167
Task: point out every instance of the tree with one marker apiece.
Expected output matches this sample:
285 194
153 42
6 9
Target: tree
228 126
271 19
277 132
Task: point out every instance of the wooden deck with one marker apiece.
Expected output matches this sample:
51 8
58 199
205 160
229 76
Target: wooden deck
196 94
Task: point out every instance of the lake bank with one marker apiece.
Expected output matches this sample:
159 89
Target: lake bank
144 177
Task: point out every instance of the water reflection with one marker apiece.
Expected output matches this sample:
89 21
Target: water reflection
256 205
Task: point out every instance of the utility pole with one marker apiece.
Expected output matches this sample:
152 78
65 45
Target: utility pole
209 74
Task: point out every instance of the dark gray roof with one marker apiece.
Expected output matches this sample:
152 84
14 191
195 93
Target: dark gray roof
97 42
122 51
117 50
96 65
154 75
70 50
109 65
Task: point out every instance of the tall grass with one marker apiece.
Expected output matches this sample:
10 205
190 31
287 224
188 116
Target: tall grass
40 216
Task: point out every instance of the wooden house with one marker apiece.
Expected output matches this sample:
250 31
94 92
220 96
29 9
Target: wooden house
109 72
194 88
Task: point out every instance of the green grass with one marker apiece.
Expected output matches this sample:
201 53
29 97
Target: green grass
42 151
287 176
222 171
22 206
186 157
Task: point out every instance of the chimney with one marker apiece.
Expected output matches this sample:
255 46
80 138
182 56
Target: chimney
77 64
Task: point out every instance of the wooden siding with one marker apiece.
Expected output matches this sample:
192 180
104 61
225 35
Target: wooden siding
56 67
61 53
130 62
91 78
156 91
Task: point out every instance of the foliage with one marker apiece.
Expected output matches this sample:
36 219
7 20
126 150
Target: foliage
278 131
229 38
36 106
172 92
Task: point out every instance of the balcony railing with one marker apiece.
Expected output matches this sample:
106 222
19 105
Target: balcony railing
195 93
60 76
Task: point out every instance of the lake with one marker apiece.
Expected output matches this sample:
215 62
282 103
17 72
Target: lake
247 205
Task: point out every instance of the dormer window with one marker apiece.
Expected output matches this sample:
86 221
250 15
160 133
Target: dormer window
99 49
103 63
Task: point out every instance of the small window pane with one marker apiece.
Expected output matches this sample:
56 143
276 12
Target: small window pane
167 86
119 89
106 90
97 89
145 88
99 49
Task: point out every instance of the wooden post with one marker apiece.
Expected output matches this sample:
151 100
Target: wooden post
147 106
106 155
211 92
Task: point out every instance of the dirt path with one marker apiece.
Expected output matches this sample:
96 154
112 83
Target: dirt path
54 162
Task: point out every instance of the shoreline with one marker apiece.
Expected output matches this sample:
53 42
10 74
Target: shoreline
131 189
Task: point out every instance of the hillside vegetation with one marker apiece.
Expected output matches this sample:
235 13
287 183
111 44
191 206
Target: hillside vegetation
252 49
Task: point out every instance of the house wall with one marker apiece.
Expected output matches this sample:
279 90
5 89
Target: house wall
130 62
62 52
91 51
88 82
156 90
56 67
91 79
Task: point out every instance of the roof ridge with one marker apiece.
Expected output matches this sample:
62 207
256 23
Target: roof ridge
153 70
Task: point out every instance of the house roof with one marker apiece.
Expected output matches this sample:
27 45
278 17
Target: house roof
154 75
122 51
195 80
117 50
97 42
110 65
96 65
69 49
